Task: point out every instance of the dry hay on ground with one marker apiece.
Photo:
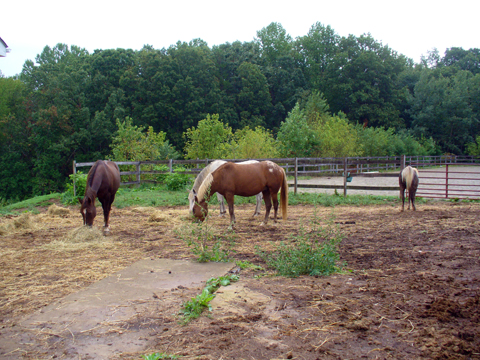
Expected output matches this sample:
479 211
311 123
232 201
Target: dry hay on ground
54 210
24 222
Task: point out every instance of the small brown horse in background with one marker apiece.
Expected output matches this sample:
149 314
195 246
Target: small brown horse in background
103 181
232 179
408 180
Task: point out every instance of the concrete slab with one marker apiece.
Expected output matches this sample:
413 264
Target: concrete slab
92 311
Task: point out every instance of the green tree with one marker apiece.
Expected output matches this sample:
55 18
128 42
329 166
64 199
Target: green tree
210 139
131 143
253 144
338 138
442 108
296 137
254 98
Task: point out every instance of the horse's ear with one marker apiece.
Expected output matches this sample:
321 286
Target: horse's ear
194 192
80 200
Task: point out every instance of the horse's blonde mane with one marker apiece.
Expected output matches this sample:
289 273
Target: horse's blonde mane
202 190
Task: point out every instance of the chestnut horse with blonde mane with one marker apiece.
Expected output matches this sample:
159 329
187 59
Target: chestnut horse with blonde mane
214 165
232 179
408 180
103 181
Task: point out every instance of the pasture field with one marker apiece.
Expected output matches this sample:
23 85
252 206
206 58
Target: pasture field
410 288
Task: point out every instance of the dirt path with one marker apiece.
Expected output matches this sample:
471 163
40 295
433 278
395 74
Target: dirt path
410 289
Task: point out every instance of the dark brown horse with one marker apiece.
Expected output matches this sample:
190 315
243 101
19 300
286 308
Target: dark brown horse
103 181
408 180
232 179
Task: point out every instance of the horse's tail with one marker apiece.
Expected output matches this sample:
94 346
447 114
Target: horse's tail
408 175
284 196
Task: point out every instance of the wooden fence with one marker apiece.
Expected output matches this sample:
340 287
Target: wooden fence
347 168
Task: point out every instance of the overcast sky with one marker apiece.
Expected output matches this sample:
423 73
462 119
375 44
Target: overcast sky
409 27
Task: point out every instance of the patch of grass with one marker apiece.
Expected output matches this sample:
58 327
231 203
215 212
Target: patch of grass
159 356
193 308
312 252
29 204
248 265
149 195
332 200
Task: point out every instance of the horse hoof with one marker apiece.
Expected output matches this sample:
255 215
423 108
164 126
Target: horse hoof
106 231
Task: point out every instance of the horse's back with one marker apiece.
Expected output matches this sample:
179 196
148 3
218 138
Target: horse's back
249 179
109 173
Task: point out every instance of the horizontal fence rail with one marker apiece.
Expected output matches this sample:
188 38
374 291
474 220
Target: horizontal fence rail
346 168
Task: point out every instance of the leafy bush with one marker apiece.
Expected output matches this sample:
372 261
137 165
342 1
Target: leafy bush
311 252
176 181
68 197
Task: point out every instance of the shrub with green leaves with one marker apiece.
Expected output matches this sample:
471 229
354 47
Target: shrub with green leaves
68 197
176 181
311 252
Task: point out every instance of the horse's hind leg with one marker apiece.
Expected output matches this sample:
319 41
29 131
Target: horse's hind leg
275 206
411 195
222 204
268 205
402 197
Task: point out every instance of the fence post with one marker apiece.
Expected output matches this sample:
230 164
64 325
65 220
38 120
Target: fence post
170 164
446 181
344 177
402 162
74 172
296 176
138 173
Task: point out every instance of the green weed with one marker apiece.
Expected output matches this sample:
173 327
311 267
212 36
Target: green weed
159 356
193 308
312 252
205 244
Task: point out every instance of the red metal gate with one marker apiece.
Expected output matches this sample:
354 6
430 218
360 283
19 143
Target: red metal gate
449 181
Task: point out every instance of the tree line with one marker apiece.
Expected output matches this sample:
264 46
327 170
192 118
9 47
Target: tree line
317 94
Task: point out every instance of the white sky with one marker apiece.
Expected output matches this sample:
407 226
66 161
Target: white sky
409 27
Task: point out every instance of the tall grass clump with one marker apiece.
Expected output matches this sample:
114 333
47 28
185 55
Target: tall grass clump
312 252
205 244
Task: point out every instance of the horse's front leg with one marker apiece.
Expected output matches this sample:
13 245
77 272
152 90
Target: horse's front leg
259 197
230 200
107 206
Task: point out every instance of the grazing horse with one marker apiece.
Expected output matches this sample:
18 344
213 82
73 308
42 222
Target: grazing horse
103 181
408 180
209 169
232 179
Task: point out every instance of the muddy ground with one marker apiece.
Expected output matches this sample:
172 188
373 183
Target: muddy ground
409 290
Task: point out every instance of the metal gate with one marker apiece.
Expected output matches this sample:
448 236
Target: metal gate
449 181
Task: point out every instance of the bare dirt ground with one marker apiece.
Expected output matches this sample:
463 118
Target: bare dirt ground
410 289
